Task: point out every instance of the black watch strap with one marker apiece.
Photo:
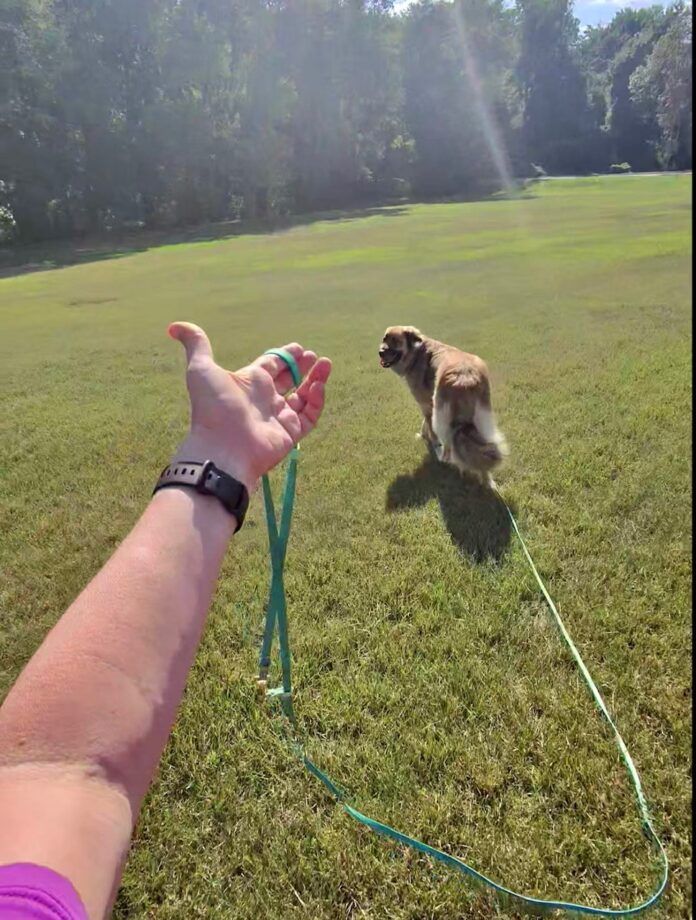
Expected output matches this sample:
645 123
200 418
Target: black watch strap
207 479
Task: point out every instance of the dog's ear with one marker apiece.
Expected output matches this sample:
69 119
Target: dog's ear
413 336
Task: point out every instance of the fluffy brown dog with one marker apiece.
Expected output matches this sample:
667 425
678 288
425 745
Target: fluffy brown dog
452 389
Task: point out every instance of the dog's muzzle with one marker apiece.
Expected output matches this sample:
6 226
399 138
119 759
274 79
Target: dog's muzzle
388 356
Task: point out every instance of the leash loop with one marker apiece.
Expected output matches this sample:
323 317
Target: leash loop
290 362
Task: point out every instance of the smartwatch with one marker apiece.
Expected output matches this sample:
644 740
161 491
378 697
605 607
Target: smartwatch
207 479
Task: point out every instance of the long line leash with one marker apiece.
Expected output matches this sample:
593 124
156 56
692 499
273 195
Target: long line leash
277 621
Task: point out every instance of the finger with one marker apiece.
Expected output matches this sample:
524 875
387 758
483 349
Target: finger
194 340
319 372
313 407
305 411
278 369
285 382
274 364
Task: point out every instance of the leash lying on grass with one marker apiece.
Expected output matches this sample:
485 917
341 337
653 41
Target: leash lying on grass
276 618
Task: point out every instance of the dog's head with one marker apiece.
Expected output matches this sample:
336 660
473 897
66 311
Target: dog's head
399 345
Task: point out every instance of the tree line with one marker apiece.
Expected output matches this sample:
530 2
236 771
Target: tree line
160 113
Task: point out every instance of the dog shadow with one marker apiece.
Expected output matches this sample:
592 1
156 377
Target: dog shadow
473 514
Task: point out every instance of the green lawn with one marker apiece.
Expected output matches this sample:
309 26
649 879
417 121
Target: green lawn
429 677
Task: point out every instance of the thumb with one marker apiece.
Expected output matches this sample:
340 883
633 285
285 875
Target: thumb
194 340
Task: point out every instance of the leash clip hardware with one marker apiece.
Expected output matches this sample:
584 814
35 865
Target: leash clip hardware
262 683
283 695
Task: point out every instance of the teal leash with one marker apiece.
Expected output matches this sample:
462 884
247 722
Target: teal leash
276 615
277 621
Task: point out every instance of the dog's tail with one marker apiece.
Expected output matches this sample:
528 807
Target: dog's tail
478 443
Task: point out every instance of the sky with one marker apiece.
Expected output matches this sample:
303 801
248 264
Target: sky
589 12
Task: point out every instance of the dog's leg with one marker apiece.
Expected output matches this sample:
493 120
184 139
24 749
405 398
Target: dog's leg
442 428
481 476
426 432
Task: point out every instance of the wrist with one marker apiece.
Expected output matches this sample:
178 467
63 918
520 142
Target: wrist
198 446
211 514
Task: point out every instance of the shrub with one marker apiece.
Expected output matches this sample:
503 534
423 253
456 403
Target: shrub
7 224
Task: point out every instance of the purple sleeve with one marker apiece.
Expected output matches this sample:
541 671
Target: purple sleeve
29 892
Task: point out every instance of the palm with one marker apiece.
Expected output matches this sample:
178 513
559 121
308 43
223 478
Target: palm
246 413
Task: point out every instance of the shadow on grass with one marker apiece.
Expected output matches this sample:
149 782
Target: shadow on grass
26 258
36 257
474 516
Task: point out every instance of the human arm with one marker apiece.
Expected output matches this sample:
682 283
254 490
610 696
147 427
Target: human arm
82 730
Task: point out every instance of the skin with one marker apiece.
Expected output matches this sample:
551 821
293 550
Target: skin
83 728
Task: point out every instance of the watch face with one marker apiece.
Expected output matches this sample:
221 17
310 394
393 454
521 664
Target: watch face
229 491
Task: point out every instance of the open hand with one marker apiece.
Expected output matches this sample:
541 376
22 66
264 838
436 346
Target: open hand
242 420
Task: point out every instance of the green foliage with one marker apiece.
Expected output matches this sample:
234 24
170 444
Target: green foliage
662 87
430 681
7 224
161 113
454 102
640 66
557 122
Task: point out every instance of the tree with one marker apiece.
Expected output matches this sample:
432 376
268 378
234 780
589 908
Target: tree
37 148
453 59
184 148
171 112
598 49
661 90
340 59
559 129
611 54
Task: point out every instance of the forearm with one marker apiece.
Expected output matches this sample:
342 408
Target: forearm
124 648
98 699
82 730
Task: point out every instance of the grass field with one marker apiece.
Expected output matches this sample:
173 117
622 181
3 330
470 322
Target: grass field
430 680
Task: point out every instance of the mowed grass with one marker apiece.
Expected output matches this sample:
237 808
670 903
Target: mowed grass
430 680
